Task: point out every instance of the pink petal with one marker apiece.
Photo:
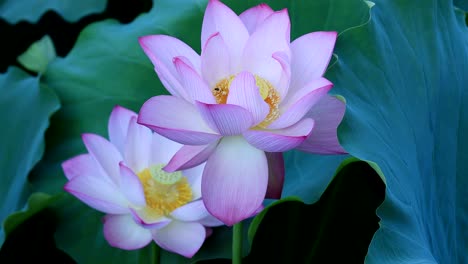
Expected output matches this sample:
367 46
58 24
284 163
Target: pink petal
141 217
98 193
190 156
176 119
215 60
270 37
105 154
137 146
283 84
327 113
184 238
275 175
280 140
118 126
299 103
311 54
245 93
235 180
195 86
228 119
190 212
83 164
253 17
162 149
122 232
131 186
219 18
162 50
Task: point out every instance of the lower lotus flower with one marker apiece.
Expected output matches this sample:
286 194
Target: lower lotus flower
249 96
124 178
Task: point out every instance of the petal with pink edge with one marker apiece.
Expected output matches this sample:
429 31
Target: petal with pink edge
122 232
176 119
235 180
184 238
145 219
280 140
275 175
190 212
219 18
327 113
162 149
282 86
105 154
245 93
253 17
194 85
161 50
98 193
228 119
190 156
137 146
83 164
270 37
298 104
131 186
311 54
215 60
118 126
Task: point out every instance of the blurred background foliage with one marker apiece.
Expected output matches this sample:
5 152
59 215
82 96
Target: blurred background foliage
333 216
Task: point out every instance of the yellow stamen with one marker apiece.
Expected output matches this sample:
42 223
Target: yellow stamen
267 91
164 192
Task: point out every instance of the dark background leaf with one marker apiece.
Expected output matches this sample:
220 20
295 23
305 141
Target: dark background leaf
335 229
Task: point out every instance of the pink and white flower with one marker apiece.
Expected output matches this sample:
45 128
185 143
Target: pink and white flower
123 178
251 91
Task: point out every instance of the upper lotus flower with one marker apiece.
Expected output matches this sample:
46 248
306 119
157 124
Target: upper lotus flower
250 91
124 178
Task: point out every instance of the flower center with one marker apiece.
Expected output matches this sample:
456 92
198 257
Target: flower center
164 192
267 91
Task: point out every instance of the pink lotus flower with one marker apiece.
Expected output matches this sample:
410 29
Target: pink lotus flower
250 91
124 178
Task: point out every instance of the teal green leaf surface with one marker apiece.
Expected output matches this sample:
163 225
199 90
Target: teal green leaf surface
463 4
26 108
14 11
308 175
107 67
404 78
38 55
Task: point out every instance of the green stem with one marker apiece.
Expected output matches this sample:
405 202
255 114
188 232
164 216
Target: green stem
237 243
156 253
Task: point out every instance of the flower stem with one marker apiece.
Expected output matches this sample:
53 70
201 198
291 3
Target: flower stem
237 243
156 253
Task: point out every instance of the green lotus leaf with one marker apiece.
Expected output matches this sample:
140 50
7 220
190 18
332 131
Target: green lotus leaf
38 55
404 79
14 11
26 107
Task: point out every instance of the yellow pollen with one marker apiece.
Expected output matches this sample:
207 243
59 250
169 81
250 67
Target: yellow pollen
267 91
164 192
